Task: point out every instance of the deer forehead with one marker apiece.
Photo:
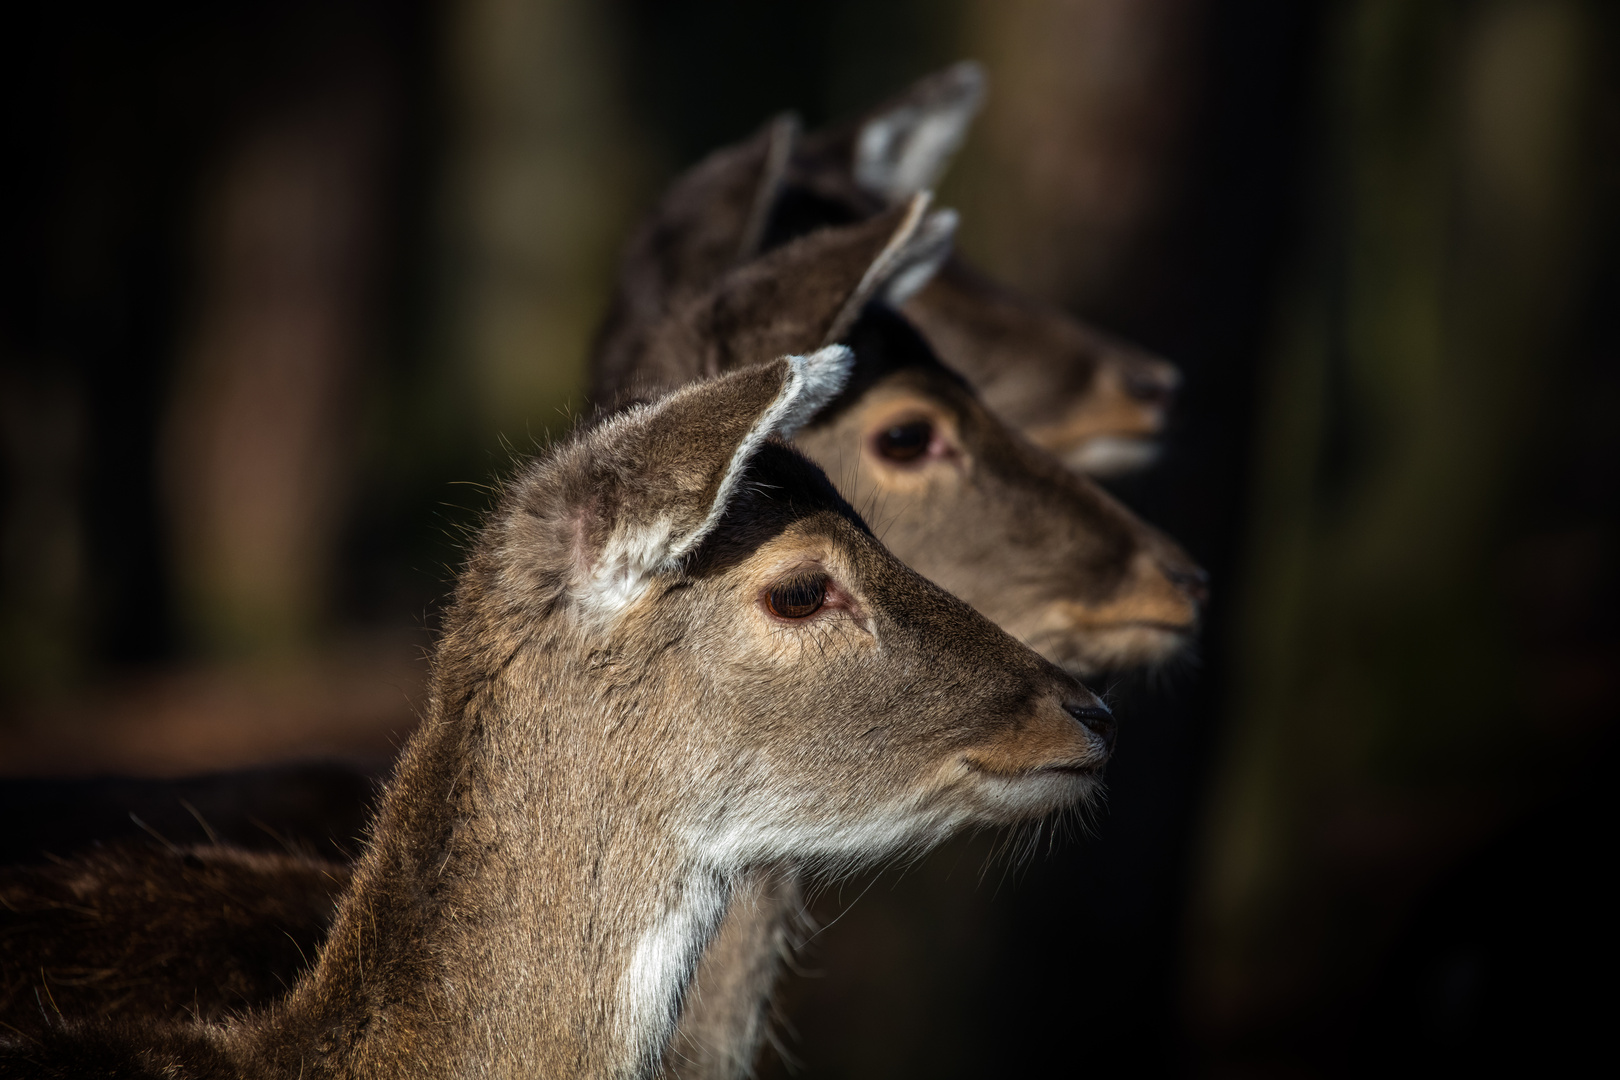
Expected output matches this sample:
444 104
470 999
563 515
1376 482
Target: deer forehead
803 549
821 546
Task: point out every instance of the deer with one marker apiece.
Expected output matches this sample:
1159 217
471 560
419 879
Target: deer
1105 589
1092 399
675 654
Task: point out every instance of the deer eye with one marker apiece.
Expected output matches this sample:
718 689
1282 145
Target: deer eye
797 599
905 442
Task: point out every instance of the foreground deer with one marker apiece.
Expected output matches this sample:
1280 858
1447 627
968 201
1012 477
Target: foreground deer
1036 548
1093 400
674 655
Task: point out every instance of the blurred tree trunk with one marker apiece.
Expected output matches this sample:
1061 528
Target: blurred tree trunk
42 571
543 181
1376 729
1069 180
261 434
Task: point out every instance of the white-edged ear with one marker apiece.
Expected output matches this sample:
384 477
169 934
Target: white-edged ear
905 148
914 253
657 479
922 257
811 383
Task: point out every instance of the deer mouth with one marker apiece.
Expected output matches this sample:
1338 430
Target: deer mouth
1111 455
1079 769
1020 786
1020 794
1174 635
1089 770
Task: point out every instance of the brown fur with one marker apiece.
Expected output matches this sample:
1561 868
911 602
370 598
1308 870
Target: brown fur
590 774
158 934
727 1013
706 224
1090 586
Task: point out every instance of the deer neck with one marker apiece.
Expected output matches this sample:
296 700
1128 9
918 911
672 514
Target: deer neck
518 912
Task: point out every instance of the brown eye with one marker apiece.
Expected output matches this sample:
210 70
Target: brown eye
905 442
797 599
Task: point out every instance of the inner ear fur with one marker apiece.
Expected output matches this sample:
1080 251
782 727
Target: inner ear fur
642 490
904 145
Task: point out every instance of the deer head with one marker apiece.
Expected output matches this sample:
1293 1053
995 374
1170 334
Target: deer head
955 493
1096 402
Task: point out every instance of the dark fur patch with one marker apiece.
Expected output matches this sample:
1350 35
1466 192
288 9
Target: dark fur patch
147 932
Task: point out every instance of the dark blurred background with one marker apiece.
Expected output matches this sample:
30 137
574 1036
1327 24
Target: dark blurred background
283 286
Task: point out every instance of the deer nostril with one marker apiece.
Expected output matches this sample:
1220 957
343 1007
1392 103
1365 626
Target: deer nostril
1095 719
1192 580
1149 387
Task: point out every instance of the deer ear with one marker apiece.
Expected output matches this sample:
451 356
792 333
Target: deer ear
661 476
712 217
915 252
794 299
780 137
904 147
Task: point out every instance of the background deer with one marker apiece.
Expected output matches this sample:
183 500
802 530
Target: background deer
1097 402
674 655
958 495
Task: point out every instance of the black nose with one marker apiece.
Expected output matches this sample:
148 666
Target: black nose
1095 719
1192 580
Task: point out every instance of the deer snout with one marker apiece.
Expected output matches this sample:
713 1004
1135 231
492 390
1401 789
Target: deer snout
1096 719
1188 577
1050 758
1150 616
